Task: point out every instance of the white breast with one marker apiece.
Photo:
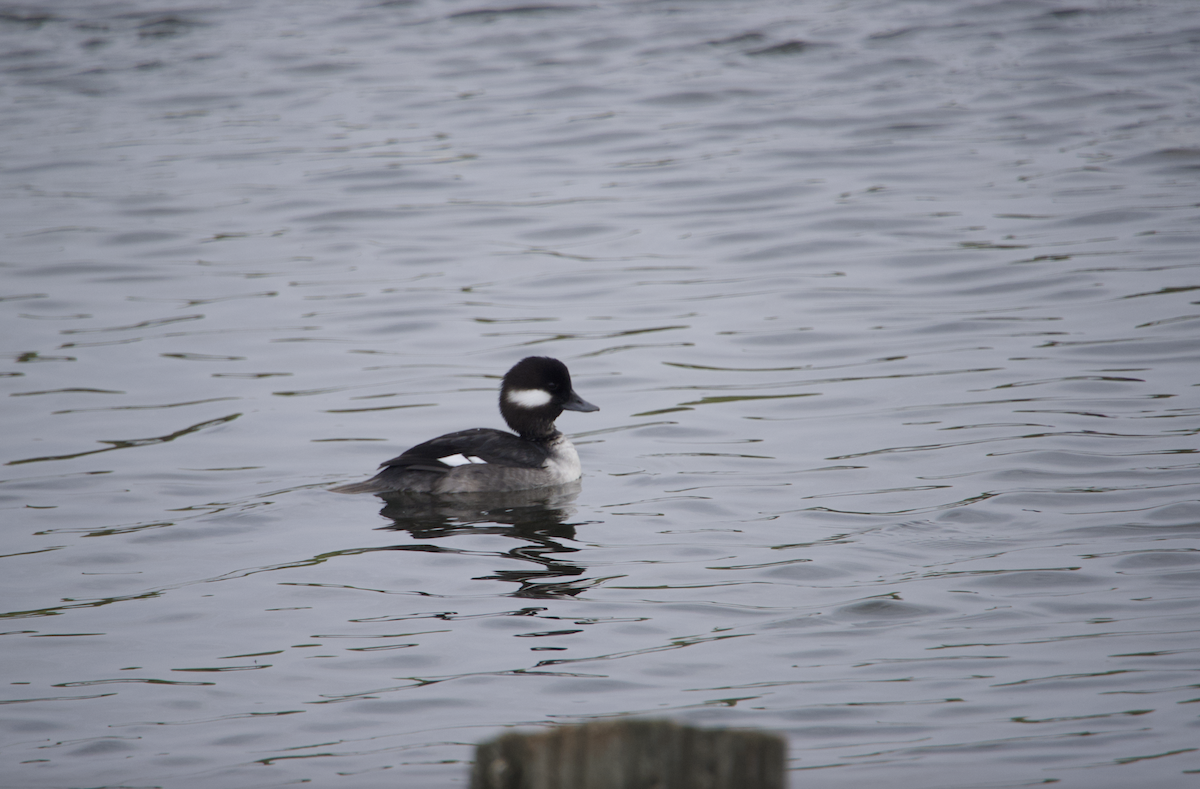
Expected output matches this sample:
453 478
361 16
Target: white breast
563 463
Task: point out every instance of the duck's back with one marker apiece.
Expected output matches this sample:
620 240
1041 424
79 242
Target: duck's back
469 461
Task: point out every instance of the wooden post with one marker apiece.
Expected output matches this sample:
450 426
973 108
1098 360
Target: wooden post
631 754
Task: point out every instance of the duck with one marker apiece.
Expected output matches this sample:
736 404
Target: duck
533 394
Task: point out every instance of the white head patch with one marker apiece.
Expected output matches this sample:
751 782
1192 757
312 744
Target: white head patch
528 398
461 460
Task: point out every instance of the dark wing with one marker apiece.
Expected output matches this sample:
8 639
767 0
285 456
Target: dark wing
492 446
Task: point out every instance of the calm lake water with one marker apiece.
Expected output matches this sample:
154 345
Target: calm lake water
891 308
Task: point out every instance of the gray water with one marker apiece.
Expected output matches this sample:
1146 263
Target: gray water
891 308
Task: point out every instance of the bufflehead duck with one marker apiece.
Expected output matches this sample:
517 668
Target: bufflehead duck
483 460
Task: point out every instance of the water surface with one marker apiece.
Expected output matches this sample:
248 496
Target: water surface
892 310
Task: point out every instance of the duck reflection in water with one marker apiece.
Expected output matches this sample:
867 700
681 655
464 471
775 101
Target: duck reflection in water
537 518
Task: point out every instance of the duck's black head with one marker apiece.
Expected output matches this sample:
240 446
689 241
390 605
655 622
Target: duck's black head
535 391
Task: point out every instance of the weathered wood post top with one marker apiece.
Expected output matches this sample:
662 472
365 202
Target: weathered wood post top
631 754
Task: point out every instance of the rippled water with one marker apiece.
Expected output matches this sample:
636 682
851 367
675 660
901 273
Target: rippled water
892 310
